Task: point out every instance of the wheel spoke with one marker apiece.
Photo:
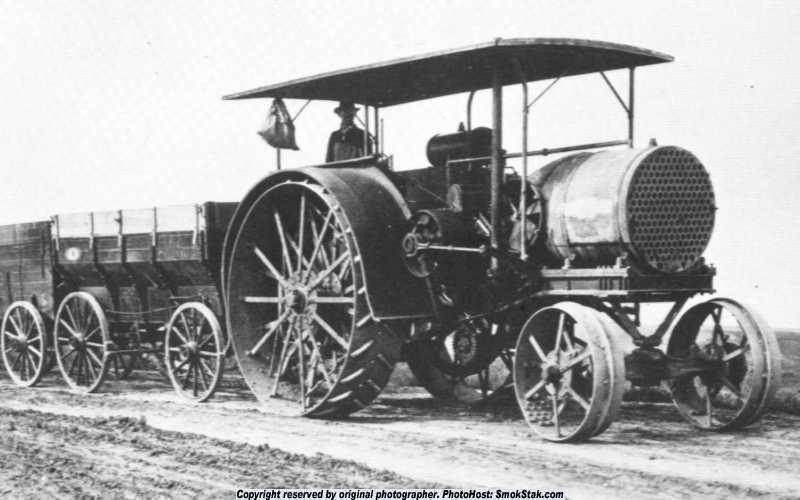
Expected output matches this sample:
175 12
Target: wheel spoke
75 326
324 274
34 339
536 388
556 411
731 387
35 351
286 342
559 335
273 327
91 334
68 327
284 245
275 274
577 397
16 326
97 360
11 335
205 367
319 239
537 348
301 231
736 353
329 329
301 362
203 375
262 300
333 300
177 332
576 361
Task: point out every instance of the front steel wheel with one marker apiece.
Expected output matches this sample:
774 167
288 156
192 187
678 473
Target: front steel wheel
744 363
24 343
566 373
298 316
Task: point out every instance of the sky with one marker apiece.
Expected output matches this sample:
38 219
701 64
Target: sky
112 104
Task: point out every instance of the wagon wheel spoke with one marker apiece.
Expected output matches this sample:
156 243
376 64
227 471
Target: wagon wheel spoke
95 358
16 326
203 376
180 335
69 328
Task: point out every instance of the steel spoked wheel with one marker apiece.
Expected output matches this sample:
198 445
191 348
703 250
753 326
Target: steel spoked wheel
82 335
744 365
469 364
564 371
194 351
23 343
299 320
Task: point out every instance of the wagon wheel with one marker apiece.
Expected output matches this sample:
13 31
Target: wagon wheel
466 364
565 371
82 337
194 351
24 343
745 364
298 315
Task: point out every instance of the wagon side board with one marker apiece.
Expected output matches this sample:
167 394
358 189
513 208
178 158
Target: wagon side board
25 265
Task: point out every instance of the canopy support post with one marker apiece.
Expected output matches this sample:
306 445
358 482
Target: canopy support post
523 184
630 106
469 110
366 130
497 162
278 157
378 141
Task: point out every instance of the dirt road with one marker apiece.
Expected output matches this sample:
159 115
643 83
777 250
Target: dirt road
214 447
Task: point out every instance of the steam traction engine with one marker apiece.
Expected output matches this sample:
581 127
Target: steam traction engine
485 276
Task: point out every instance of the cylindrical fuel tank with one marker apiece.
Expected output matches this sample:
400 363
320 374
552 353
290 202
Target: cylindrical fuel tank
656 205
465 144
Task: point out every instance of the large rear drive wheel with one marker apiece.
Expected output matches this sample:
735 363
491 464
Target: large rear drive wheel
745 359
298 315
82 338
568 374
23 343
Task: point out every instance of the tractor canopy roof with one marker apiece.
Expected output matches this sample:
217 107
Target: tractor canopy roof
461 70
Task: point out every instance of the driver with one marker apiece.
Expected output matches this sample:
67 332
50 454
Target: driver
348 141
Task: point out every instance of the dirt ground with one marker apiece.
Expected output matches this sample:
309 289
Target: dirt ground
138 439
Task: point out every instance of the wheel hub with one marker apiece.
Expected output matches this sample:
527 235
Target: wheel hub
552 373
297 301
